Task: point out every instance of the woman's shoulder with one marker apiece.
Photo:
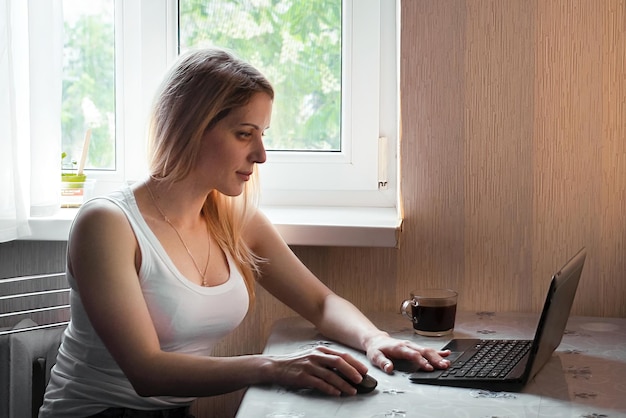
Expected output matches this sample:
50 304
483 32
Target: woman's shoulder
100 206
102 216
259 232
255 225
111 205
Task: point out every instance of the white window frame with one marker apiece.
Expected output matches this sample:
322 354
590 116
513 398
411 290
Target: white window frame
146 46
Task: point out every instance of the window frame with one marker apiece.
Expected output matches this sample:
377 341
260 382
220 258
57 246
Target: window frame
146 45
358 218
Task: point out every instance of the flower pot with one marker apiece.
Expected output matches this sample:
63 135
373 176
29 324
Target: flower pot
75 190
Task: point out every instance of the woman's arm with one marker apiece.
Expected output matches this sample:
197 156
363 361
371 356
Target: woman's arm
286 277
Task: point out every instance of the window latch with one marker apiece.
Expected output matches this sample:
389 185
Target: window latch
382 163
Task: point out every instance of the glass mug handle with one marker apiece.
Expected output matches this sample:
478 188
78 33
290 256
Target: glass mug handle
405 306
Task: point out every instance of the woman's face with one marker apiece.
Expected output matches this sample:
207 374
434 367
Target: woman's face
232 147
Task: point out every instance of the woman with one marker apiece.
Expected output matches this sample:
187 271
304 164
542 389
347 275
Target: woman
161 270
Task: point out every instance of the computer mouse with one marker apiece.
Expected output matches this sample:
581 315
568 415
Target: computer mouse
366 385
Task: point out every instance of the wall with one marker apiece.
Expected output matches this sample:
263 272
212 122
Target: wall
514 123
513 157
23 258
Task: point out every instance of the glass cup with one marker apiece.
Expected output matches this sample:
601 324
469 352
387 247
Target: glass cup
432 311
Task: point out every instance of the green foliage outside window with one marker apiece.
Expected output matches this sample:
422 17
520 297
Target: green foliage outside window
89 87
296 44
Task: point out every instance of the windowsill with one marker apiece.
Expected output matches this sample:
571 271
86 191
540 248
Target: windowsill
319 226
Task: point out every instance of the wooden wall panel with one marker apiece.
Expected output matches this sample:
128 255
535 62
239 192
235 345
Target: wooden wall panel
499 74
611 270
568 139
522 105
432 149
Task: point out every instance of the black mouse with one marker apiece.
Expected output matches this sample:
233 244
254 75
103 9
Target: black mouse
366 385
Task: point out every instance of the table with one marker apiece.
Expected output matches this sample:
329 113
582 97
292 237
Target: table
586 376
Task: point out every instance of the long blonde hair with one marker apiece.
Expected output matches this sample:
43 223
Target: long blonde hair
200 90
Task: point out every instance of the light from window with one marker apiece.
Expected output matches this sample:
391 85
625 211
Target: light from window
296 45
88 83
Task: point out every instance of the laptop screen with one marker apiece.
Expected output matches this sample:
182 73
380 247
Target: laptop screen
556 311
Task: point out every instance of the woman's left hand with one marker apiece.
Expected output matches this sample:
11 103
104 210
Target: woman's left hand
383 349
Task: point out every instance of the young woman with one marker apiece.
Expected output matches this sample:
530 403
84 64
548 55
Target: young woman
161 270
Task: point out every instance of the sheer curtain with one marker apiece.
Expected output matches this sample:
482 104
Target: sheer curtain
31 60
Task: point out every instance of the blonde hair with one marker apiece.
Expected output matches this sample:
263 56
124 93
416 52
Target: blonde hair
200 90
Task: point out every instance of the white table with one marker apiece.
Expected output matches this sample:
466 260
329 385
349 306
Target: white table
586 377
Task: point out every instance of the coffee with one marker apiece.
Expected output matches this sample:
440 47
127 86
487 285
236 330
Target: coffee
432 311
435 319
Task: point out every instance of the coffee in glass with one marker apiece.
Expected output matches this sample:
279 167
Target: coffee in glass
432 311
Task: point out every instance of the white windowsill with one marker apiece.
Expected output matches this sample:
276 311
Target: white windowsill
320 226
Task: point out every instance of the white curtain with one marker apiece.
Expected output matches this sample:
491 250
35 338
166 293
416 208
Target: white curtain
31 53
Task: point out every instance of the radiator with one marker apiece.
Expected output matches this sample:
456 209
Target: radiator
34 311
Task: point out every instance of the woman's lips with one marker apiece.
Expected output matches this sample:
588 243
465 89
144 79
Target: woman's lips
245 176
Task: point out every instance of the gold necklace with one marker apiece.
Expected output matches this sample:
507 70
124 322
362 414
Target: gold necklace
200 272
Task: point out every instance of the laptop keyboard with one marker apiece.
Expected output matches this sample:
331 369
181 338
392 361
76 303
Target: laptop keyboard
494 359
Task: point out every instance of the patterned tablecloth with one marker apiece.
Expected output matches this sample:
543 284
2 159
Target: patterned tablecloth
586 376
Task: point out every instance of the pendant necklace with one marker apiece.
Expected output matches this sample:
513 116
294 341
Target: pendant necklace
202 273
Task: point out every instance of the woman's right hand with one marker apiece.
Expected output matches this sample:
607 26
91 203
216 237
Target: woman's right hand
315 368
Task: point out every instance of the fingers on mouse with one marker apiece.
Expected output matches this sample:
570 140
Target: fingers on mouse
366 385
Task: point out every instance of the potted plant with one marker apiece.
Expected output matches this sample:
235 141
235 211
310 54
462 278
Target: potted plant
71 176
73 183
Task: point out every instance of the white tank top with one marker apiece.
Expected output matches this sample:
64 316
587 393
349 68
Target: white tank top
188 318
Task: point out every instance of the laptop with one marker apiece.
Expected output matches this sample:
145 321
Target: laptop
471 358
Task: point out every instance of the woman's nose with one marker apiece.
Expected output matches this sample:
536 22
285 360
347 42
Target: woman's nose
259 155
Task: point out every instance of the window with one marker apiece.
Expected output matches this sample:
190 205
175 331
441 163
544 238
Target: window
339 164
136 43
88 83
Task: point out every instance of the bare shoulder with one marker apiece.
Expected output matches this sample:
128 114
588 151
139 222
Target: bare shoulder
264 240
100 216
259 230
101 230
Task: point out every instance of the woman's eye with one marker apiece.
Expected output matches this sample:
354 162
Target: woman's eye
245 134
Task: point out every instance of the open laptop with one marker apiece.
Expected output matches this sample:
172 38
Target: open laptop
469 364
